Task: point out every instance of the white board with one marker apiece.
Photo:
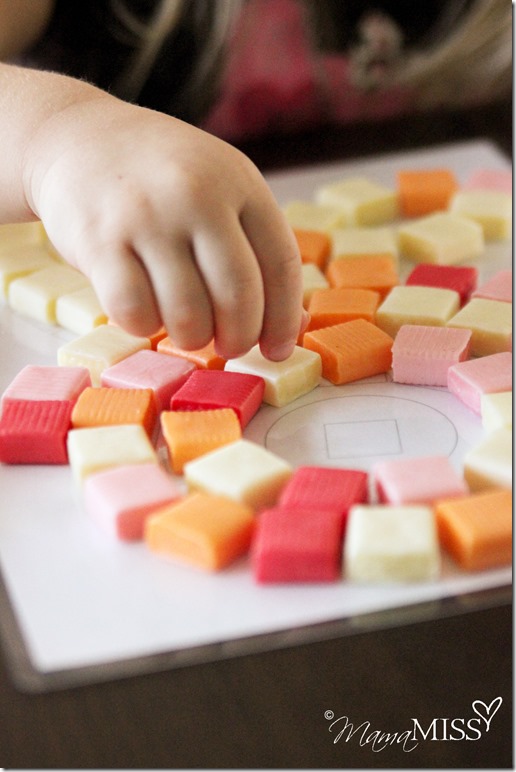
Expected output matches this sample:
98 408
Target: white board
77 606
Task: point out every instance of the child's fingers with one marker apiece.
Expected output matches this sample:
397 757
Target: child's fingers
278 256
232 276
123 288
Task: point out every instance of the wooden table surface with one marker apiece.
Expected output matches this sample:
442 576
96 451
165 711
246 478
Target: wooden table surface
268 710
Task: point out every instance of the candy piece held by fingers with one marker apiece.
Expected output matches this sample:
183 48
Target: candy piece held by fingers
296 545
284 381
391 544
202 530
243 471
476 530
120 499
145 369
416 305
205 358
212 389
99 349
193 433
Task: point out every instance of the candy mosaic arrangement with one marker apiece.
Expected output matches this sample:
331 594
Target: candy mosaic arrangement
154 435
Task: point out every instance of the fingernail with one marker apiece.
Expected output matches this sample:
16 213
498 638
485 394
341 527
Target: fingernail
279 353
305 321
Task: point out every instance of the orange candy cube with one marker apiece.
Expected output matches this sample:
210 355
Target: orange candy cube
192 433
314 246
332 306
205 357
202 530
477 530
371 272
106 406
423 191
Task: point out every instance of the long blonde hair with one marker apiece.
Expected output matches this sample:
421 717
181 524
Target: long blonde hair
470 60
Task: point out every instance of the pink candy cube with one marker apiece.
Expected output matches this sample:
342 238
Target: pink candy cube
422 355
35 431
163 373
46 383
420 480
490 179
486 375
499 287
461 278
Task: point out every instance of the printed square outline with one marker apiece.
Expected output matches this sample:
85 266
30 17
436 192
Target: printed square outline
347 439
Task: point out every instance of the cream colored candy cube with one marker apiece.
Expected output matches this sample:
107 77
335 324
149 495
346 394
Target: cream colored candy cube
489 463
363 241
391 543
443 238
365 203
93 449
416 305
491 209
102 347
21 234
310 216
490 322
36 295
313 279
243 471
21 261
496 410
284 381
80 311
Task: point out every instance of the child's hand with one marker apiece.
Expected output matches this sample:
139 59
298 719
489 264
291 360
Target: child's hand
172 226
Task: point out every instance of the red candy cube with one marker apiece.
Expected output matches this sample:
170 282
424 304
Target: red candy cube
213 389
34 432
294 545
324 489
461 278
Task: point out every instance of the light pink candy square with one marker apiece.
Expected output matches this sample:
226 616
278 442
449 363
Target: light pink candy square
163 373
47 383
490 179
422 354
420 480
485 375
499 287
121 498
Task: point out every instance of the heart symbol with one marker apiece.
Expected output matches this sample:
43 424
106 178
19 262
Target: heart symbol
486 712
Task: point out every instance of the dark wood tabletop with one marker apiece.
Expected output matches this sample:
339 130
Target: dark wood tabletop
285 708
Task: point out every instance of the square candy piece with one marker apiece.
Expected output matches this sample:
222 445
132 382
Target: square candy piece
427 306
309 215
477 530
99 349
104 406
215 389
364 202
190 434
120 499
322 489
499 287
145 369
205 531
461 278
36 295
491 209
489 463
47 383
313 279
420 480
80 311
351 351
341 304
292 545
21 234
422 355
372 272
284 381
314 247
490 322
205 358
486 375
496 410
442 238
21 261
364 241
243 471
424 191
391 544
490 179
35 432
101 447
